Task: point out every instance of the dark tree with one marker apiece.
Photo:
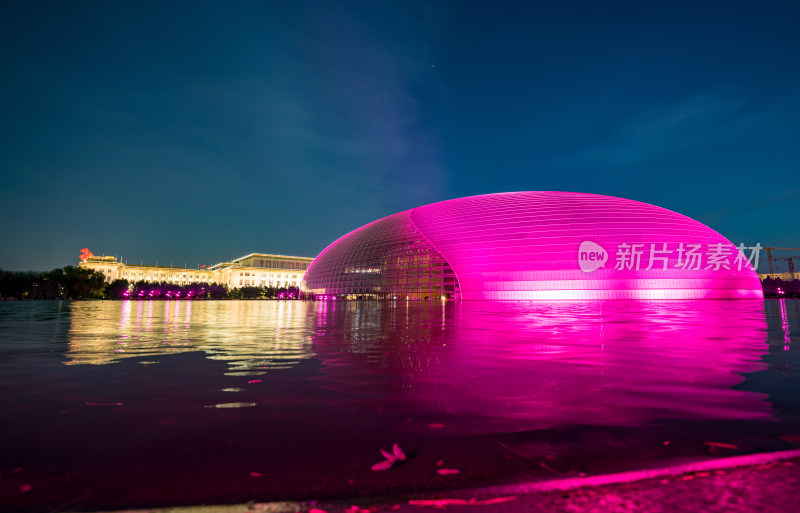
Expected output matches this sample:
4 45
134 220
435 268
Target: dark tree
117 289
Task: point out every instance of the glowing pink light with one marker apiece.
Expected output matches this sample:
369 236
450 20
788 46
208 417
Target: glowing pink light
785 325
539 245
569 363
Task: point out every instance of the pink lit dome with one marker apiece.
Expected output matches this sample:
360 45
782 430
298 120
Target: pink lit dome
534 245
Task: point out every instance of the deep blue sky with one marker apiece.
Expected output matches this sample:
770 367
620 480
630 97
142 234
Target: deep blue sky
201 131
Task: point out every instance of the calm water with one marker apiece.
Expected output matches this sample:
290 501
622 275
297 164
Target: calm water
124 404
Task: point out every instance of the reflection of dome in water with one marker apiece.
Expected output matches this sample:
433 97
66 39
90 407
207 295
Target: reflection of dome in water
534 245
485 366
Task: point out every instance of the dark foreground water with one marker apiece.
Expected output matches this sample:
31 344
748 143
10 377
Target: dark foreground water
129 404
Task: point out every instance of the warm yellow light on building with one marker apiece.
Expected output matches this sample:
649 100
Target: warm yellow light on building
253 270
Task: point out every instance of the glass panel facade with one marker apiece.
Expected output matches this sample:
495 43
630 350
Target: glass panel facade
387 259
535 246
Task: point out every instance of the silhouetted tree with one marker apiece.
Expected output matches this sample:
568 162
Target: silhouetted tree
117 289
21 284
250 293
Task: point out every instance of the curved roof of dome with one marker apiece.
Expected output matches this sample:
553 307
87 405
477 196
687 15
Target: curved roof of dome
537 245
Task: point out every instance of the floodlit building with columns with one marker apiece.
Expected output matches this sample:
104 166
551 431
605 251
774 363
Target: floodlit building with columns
253 270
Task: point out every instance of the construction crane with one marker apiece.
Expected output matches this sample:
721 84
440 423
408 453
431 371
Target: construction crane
789 260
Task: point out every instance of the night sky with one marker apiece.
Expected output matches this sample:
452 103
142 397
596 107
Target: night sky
200 131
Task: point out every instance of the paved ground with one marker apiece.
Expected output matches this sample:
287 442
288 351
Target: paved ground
770 483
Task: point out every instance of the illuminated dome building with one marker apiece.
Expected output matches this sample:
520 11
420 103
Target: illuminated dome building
534 245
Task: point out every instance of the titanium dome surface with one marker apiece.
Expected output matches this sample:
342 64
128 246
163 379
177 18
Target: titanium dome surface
534 245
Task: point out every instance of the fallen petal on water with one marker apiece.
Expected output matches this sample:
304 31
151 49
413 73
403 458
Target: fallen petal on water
723 445
447 471
551 469
398 452
384 465
497 500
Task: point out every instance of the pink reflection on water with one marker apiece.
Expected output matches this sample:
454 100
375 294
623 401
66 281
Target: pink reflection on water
785 325
534 365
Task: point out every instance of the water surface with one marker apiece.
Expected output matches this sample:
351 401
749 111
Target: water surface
144 403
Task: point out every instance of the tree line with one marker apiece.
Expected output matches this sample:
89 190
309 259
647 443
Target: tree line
121 289
80 283
65 283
